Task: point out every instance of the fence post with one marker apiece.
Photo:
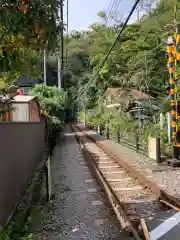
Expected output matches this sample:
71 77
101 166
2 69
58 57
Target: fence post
96 128
118 135
100 130
107 132
137 139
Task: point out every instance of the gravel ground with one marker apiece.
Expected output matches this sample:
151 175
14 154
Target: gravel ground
79 209
168 179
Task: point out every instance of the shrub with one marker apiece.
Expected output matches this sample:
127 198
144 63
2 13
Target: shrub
52 102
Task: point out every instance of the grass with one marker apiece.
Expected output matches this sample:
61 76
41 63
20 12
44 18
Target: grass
15 232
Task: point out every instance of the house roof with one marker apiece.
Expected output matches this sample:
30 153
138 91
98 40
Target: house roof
140 95
119 95
23 98
23 81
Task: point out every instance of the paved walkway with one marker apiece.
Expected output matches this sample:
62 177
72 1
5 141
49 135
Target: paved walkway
79 209
167 178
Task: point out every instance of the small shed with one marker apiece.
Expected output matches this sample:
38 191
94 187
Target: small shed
24 109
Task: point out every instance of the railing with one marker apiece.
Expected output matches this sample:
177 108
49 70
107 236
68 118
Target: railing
119 135
134 138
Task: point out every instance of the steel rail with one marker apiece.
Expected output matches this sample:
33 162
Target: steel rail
120 212
138 175
162 196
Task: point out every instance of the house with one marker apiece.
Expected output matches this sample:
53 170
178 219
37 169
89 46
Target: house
122 97
132 102
24 84
23 109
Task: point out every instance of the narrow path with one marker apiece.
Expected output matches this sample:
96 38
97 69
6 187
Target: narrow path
79 209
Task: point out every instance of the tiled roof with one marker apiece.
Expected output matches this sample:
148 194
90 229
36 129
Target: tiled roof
140 95
117 95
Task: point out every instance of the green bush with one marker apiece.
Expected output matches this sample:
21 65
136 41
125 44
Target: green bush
52 101
97 121
54 125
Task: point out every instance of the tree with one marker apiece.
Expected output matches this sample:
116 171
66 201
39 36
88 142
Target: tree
26 27
53 103
139 58
52 100
32 19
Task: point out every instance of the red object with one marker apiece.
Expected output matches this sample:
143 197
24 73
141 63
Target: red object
12 92
19 92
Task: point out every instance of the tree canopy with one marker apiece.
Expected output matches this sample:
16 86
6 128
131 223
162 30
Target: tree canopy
139 58
26 27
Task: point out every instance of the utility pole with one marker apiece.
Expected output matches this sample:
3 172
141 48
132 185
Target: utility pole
85 103
67 31
78 112
62 39
59 72
45 72
78 105
84 114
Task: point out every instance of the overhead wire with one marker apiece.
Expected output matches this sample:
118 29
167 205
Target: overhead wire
113 45
111 9
108 11
115 10
113 6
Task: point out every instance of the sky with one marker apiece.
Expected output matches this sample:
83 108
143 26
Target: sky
83 13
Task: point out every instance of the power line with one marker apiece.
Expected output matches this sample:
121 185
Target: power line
106 57
111 3
116 6
110 10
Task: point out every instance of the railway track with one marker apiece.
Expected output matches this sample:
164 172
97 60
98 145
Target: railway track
133 197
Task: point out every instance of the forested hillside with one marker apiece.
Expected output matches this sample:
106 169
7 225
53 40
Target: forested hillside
139 59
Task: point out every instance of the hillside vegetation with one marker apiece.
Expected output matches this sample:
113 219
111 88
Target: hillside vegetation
139 58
